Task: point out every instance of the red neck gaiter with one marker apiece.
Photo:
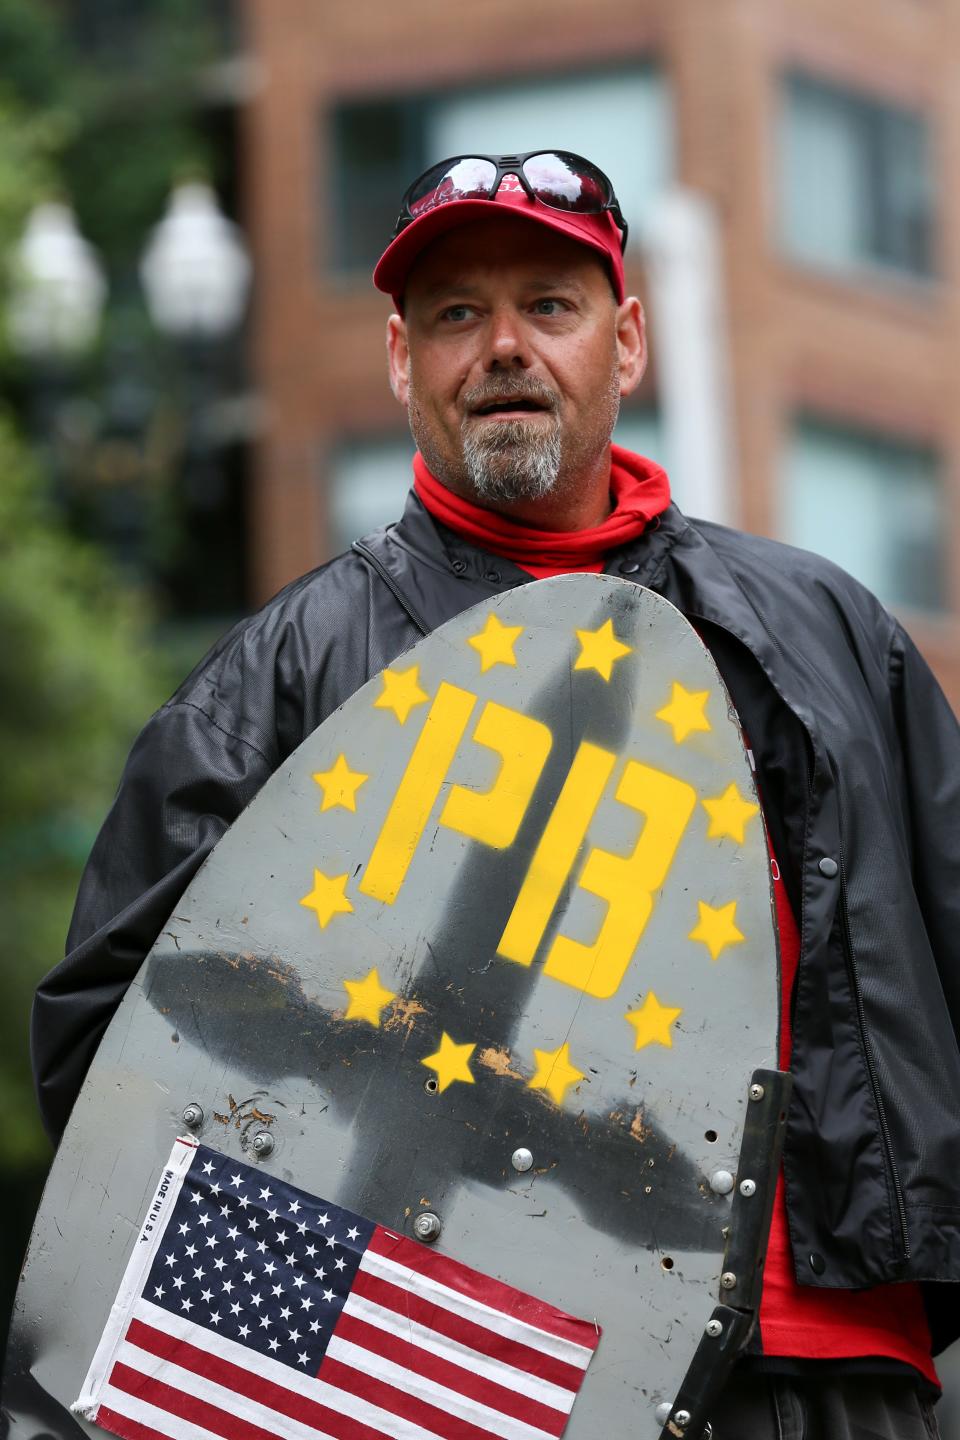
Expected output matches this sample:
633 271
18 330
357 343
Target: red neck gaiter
640 491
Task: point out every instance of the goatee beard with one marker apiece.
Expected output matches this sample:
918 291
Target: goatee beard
512 459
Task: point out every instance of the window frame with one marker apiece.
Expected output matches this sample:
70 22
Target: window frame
878 437
872 112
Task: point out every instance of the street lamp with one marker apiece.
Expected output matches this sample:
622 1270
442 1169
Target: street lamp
56 299
58 289
195 270
196 275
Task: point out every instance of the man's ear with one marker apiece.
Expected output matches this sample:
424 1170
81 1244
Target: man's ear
398 358
631 344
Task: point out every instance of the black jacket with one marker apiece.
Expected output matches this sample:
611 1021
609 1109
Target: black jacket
857 756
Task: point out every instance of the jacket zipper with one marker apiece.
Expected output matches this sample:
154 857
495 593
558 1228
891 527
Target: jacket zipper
871 1072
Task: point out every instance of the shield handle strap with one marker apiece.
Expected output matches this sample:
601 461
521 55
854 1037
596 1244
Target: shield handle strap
730 1325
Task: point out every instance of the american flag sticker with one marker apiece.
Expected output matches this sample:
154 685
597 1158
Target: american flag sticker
250 1309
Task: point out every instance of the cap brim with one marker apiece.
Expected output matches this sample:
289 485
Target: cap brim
599 232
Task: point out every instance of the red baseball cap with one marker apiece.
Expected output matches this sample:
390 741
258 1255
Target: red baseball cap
599 232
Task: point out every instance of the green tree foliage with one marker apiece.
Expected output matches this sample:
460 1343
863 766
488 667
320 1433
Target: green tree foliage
97 103
75 679
115 86
142 118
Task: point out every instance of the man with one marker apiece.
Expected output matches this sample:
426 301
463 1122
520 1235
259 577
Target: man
511 346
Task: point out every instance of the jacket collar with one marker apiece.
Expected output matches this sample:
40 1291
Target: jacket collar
435 575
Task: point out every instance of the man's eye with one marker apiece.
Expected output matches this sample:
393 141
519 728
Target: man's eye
549 307
456 313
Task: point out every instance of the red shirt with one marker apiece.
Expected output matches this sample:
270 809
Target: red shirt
796 1322
803 1322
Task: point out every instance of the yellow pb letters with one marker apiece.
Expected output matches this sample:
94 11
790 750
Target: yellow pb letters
407 817
494 816
554 856
627 883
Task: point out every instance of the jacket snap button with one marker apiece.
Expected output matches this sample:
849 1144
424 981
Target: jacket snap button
817 1263
493 576
630 568
459 566
828 867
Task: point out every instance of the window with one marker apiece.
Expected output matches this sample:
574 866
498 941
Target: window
368 487
378 150
856 180
871 503
621 120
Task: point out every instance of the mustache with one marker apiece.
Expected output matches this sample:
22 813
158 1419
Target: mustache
502 390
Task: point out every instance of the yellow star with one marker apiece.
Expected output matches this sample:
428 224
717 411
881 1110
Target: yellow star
327 897
367 998
652 1022
729 814
554 1072
401 691
684 714
451 1062
716 928
340 785
600 650
495 643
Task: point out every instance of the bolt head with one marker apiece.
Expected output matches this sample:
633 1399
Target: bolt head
262 1143
721 1182
522 1160
756 1092
748 1188
427 1226
728 1280
713 1328
193 1115
681 1418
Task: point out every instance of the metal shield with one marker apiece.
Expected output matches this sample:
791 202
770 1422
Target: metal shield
494 947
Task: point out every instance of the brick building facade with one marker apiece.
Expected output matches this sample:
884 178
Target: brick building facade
827 139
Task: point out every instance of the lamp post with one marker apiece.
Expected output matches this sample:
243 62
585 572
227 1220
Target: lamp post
195 269
196 276
58 288
56 300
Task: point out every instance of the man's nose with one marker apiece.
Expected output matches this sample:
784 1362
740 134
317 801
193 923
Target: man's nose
507 341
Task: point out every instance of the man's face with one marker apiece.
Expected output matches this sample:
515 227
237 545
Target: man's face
511 359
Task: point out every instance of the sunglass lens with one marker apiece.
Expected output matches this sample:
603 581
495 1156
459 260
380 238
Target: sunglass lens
470 178
565 182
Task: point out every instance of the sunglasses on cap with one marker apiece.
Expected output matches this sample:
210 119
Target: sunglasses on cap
556 178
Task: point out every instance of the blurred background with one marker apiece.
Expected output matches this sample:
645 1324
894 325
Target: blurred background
193 403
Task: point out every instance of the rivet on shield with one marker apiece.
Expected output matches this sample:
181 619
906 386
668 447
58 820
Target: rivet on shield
427 1226
193 1115
727 1280
662 1413
721 1182
522 1160
748 1188
713 1328
262 1144
756 1092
